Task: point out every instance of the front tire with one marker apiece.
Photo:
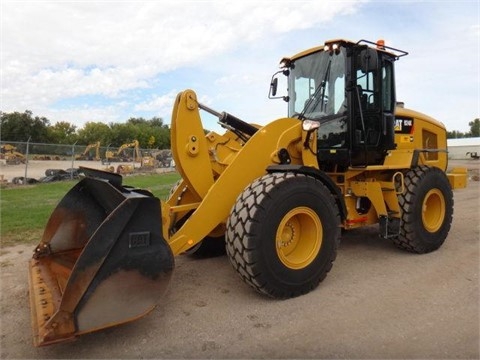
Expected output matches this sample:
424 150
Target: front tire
283 234
427 210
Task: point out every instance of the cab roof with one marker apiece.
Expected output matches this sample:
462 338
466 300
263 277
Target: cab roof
379 46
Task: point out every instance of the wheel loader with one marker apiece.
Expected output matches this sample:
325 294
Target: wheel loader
275 197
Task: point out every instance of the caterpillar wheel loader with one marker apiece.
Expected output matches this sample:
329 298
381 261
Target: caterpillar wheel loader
276 197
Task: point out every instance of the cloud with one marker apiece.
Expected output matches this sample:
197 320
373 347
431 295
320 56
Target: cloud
54 50
84 114
161 103
78 61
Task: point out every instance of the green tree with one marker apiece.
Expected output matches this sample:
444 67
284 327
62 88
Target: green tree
164 139
157 122
93 132
136 121
149 133
474 128
18 126
161 132
123 133
151 142
62 133
455 134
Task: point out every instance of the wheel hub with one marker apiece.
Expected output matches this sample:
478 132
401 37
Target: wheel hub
299 238
288 235
433 210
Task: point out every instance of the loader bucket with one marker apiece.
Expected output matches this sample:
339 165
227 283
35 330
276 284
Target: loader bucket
102 260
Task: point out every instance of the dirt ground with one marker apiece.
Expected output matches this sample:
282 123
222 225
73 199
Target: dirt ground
377 302
36 168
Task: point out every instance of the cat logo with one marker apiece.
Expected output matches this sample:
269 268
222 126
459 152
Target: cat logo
403 125
398 125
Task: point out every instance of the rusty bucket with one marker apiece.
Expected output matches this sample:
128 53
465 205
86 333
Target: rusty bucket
102 260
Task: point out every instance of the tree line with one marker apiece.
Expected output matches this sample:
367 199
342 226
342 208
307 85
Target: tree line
151 133
21 127
474 131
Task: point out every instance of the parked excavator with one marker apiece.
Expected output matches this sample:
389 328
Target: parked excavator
86 154
275 196
121 156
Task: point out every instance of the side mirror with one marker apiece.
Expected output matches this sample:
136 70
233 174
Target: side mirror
273 86
272 94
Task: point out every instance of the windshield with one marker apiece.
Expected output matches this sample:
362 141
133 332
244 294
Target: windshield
317 85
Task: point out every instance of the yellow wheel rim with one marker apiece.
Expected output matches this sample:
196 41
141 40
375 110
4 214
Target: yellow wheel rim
433 210
299 238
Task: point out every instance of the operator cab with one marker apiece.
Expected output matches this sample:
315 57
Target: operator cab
348 90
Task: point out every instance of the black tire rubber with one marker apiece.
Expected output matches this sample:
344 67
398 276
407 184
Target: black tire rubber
421 184
21 180
209 246
252 233
53 172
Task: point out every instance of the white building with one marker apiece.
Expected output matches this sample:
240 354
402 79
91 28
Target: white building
464 148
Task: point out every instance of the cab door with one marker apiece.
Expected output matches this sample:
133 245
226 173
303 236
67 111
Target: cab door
373 106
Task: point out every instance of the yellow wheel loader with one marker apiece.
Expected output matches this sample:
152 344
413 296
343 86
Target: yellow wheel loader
276 197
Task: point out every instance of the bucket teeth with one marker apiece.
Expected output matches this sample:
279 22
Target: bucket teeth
42 250
42 300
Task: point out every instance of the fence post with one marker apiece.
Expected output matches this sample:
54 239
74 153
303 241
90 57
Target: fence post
106 162
26 161
73 159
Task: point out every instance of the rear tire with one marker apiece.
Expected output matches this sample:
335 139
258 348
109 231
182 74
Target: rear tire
283 234
427 210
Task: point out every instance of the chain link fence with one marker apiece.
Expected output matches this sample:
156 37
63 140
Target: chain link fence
65 160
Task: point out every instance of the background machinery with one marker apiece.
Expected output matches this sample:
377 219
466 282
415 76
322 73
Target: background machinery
11 155
121 156
146 160
86 154
276 197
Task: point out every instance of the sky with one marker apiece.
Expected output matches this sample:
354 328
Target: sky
108 61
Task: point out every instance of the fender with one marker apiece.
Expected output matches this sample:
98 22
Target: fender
318 174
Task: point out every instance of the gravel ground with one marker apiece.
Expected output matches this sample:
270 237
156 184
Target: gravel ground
377 302
36 168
